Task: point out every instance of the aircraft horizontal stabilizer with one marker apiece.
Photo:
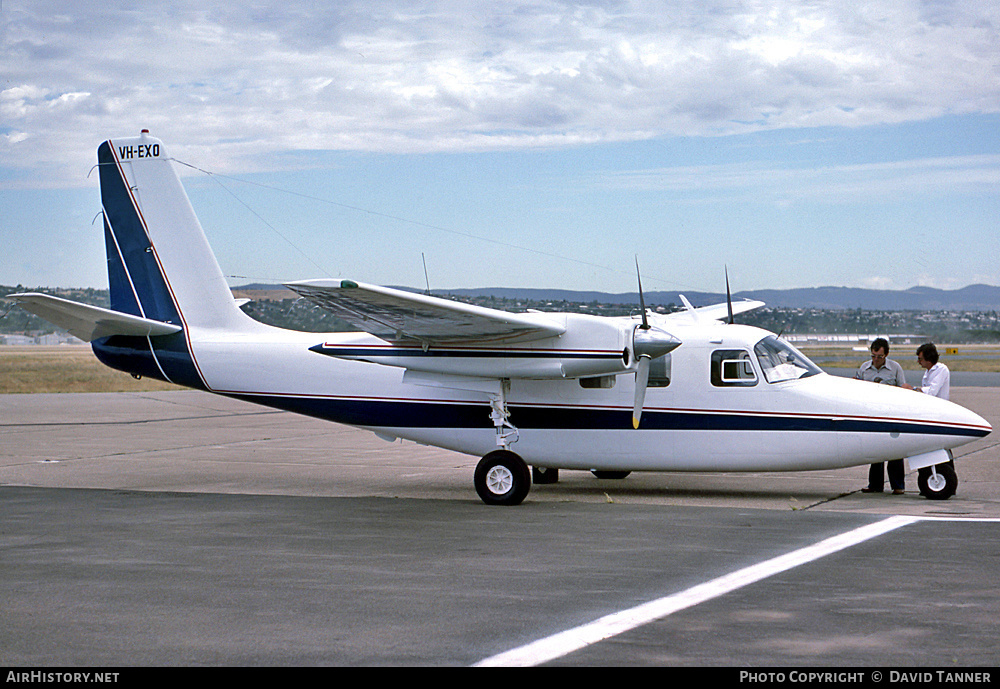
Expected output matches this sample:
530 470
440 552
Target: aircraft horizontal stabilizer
90 322
719 311
393 314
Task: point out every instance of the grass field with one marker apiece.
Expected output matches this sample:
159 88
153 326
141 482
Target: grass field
64 368
74 368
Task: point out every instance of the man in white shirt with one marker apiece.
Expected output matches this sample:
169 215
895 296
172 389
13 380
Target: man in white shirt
936 381
887 372
937 377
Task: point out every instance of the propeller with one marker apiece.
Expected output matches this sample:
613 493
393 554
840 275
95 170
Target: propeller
642 302
729 298
648 343
641 381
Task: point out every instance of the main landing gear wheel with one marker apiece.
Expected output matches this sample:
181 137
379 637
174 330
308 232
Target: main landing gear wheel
939 484
502 478
610 474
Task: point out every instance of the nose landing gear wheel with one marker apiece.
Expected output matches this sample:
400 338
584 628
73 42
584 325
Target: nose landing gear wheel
939 484
502 478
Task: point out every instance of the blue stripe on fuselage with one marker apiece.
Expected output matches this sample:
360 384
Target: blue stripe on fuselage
423 414
173 362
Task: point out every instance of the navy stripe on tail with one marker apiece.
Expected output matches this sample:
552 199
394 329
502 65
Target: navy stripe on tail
138 287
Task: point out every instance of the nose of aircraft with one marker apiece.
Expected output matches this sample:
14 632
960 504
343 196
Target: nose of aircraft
971 419
894 420
953 423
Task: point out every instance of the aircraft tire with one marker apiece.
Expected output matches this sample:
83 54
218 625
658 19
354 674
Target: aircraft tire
941 487
610 474
502 478
544 476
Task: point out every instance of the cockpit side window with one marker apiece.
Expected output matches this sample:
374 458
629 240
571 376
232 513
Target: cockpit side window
732 367
781 361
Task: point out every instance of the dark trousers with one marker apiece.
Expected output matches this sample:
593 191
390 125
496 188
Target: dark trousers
876 475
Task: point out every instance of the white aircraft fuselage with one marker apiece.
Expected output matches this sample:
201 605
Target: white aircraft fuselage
557 391
817 422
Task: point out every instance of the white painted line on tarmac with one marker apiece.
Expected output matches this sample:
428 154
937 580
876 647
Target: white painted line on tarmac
564 643
960 518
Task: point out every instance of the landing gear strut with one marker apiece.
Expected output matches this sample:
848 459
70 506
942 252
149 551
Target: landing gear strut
506 431
502 477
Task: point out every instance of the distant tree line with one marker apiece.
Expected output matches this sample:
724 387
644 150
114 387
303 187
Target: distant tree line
302 315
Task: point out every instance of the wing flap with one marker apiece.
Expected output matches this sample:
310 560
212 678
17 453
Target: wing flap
393 314
90 322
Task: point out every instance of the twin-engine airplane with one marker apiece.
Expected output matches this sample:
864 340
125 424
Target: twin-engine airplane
678 392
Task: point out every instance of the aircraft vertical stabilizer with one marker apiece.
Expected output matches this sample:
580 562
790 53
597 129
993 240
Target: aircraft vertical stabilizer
160 265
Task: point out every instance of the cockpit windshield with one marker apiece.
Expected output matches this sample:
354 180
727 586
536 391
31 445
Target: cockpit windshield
780 361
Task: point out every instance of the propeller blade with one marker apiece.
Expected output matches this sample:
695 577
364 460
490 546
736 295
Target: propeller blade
641 381
642 302
729 298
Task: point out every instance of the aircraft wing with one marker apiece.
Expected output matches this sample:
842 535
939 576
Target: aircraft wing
90 322
393 314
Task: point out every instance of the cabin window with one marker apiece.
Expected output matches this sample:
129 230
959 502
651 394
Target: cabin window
659 372
598 382
732 367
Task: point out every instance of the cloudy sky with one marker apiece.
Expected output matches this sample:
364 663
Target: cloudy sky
532 144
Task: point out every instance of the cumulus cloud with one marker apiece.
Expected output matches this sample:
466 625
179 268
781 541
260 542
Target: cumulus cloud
461 76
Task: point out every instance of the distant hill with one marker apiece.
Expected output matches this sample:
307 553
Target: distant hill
971 298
